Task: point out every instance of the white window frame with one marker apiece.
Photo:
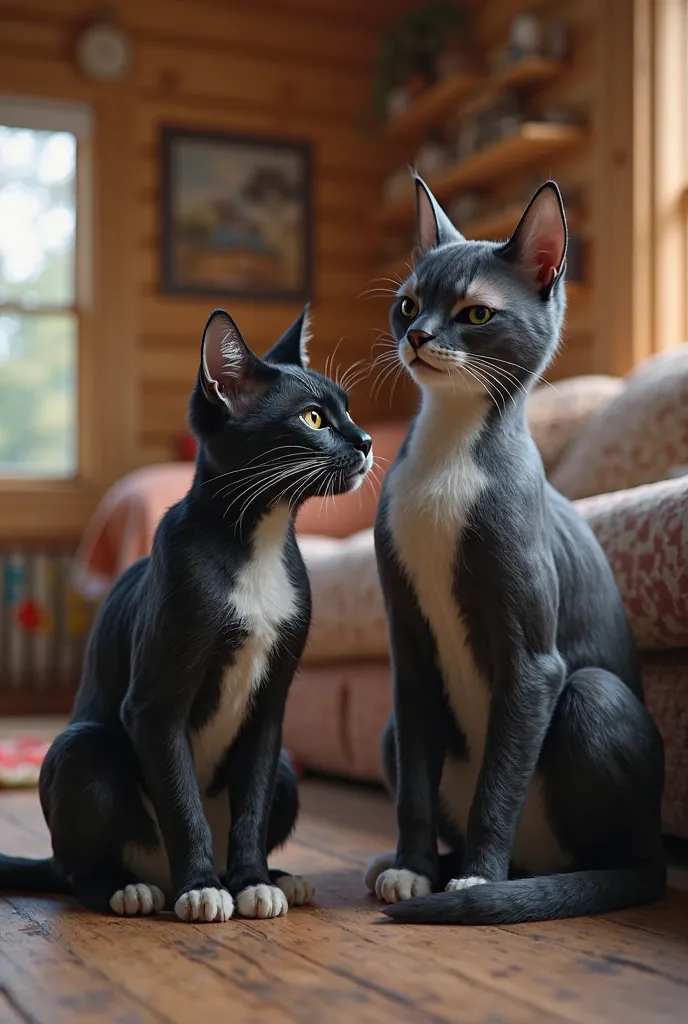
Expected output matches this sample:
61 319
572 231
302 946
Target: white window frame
75 118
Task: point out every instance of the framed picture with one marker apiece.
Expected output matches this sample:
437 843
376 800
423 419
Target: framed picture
236 217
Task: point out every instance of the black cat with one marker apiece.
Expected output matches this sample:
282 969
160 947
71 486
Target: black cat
519 734
169 782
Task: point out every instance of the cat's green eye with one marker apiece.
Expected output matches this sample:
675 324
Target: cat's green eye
478 315
313 419
409 308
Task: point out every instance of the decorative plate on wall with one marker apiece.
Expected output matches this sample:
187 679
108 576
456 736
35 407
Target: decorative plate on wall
103 51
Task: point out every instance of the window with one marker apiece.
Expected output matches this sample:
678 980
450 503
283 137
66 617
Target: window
43 198
669 180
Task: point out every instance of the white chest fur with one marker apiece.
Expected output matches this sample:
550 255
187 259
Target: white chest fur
263 599
432 493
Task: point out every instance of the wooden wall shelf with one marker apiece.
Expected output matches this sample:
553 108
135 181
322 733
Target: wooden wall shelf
526 73
444 97
534 141
431 106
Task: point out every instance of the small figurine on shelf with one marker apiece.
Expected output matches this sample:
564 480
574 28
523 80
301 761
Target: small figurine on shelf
400 99
530 36
526 36
397 102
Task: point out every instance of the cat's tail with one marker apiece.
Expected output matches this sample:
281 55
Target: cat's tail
544 898
25 874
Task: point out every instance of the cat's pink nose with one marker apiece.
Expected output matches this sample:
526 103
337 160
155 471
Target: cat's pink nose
418 338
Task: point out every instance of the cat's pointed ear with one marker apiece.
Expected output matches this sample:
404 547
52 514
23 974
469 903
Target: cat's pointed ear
540 240
293 345
433 227
231 375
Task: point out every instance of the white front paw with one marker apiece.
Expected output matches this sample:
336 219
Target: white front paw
394 885
204 905
262 901
455 884
375 868
137 900
297 890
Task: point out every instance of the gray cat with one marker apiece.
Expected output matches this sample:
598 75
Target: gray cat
519 735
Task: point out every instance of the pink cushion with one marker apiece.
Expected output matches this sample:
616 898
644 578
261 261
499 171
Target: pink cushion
123 525
558 414
639 438
349 513
335 715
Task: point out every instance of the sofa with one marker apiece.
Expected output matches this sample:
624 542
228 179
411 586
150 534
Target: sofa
618 448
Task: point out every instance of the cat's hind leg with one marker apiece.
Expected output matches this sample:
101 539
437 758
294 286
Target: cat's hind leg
603 767
90 793
285 809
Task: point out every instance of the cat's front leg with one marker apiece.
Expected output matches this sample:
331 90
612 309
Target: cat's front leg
420 756
155 714
420 733
163 748
252 775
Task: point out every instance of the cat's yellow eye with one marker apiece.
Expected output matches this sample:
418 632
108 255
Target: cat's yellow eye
409 308
312 419
479 315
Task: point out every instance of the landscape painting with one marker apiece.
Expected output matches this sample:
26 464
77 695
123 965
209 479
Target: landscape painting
236 216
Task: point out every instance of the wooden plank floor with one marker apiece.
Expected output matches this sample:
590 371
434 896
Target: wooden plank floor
335 963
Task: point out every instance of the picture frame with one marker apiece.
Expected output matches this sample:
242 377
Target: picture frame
236 216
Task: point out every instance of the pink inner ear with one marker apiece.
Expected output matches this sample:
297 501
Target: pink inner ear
546 273
545 259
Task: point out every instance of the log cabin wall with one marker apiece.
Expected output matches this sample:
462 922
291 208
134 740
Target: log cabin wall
290 69
301 69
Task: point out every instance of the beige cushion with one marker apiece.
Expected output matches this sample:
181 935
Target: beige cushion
557 414
348 614
639 438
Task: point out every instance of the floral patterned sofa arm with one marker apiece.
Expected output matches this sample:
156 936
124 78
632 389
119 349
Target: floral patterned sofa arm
644 533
